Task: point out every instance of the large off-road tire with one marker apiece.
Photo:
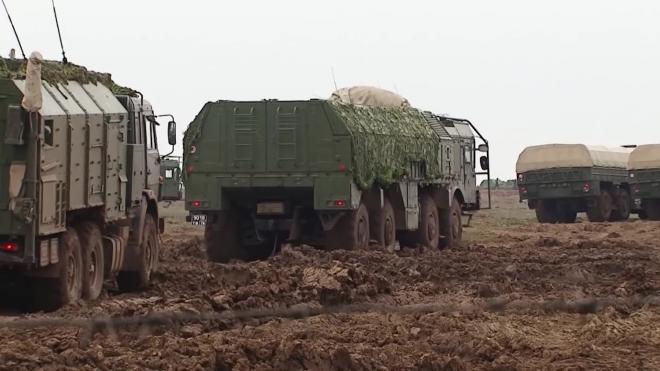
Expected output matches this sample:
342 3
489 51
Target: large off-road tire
351 231
221 238
383 225
66 288
451 225
623 204
601 209
428 233
567 215
546 211
147 262
91 242
651 208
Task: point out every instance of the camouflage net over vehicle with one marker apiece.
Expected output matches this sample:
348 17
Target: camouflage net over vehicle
57 73
386 141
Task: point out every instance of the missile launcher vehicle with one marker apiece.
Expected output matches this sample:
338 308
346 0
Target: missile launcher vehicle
358 168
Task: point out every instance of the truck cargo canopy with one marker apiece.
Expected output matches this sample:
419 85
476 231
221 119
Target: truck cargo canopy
550 156
645 157
369 96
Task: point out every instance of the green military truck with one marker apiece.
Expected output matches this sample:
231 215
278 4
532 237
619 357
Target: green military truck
79 181
644 168
561 180
172 183
325 172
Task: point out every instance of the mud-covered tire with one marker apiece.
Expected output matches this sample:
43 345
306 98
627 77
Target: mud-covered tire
546 211
383 228
147 260
623 204
91 242
221 238
428 233
66 288
451 225
351 231
651 208
601 210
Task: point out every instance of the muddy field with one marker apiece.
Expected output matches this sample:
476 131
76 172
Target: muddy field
506 257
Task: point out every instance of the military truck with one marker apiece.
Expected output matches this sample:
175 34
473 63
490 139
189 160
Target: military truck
170 171
644 168
78 183
328 173
560 180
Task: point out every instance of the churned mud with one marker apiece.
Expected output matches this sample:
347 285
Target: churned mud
506 258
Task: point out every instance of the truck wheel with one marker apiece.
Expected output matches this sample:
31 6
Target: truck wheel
222 240
451 225
428 233
91 242
623 207
149 249
384 225
351 231
601 210
546 211
54 293
568 215
652 209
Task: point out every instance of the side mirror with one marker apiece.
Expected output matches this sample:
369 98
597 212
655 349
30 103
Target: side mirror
484 163
15 126
171 132
482 148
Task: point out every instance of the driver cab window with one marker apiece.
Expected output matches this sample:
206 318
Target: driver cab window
468 155
152 140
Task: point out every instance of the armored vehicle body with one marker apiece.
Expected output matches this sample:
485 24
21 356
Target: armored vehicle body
78 182
170 171
561 180
644 167
328 173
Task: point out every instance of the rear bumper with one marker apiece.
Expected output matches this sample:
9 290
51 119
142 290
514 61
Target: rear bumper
559 190
323 193
646 190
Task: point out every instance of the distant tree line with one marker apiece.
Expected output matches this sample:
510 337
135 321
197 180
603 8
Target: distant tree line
498 183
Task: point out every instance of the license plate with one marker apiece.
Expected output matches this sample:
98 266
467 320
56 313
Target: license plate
270 208
198 219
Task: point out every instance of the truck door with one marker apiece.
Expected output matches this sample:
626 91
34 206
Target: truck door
153 157
469 178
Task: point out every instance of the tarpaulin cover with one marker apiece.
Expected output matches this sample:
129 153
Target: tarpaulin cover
645 157
369 96
549 156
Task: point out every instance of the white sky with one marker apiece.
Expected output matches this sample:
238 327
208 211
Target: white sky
525 72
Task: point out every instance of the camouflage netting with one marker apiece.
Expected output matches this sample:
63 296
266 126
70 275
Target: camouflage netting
386 141
56 72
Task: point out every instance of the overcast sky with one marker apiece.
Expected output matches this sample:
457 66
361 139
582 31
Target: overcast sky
525 72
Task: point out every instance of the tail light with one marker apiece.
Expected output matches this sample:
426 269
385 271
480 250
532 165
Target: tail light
523 190
190 169
586 188
636 189
342 167
196 203
9 247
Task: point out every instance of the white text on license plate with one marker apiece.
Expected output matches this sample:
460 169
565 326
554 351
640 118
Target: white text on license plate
198 220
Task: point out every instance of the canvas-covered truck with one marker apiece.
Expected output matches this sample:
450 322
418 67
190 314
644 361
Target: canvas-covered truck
644 169
79 181
559 181
328 172
172 183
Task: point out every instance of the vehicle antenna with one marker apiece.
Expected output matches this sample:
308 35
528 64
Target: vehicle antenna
14 28
59 33
334 79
